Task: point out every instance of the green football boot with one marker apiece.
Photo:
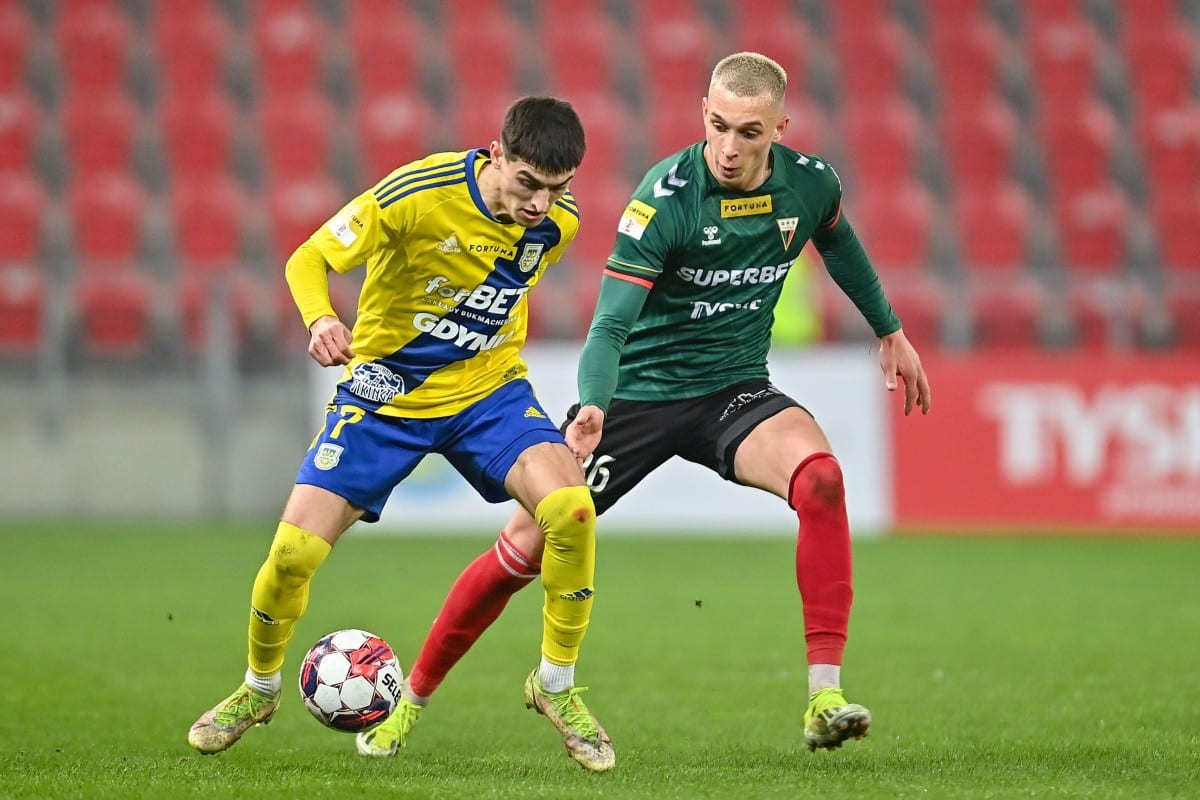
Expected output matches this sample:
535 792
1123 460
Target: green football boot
585 740
224 723
830 720
388 736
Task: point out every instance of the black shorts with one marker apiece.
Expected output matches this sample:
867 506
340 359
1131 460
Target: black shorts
640 436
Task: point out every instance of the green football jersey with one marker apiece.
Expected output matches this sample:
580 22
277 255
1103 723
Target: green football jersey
715 261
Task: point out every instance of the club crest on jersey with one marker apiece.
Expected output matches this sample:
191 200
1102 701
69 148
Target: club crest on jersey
531 254
787 229
746 206
328 455
376 383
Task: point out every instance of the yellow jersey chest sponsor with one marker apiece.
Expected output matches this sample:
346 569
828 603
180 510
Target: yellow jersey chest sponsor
746 206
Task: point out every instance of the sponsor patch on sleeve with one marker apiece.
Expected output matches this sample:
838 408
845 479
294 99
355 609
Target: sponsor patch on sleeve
635 218
341 229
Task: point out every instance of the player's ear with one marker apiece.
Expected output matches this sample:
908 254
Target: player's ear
780 127
497 153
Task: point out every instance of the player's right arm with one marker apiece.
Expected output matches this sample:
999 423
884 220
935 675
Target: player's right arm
350 238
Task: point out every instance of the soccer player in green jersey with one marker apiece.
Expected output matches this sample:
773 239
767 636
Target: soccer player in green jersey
675 364
452 245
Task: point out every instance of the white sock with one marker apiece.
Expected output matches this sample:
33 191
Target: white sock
408 694
556 678
823 676
266 684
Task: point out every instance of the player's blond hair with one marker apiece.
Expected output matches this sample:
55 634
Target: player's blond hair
749 74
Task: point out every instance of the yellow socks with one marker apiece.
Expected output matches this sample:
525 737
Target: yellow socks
568 518
280 594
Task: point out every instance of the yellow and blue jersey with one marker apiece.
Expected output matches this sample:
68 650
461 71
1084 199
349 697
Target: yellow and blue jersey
443 312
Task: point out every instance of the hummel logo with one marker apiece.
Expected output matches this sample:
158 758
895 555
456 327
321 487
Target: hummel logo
533 412
450 245
678 183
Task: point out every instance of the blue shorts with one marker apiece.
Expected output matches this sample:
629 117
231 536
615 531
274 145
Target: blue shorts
363 456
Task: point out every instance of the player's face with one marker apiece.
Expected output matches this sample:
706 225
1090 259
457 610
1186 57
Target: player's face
739 132
524 194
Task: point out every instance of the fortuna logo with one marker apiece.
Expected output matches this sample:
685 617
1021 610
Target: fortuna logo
450 245
676 183
710 233
533 412
787 229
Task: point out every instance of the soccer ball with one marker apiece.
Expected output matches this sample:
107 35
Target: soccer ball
350 680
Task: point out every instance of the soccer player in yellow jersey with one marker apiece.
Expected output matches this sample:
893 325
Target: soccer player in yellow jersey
452 245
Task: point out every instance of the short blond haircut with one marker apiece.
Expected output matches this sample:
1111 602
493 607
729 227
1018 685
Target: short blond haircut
749 74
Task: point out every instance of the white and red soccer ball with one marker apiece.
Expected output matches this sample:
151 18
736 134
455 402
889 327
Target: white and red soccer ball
350 680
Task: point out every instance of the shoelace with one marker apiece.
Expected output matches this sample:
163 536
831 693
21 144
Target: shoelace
246 706
575 712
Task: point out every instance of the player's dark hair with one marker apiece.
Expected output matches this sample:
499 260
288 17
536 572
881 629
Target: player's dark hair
544 132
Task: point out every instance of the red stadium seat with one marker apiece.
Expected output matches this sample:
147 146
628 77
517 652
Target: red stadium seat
970 56
477 123
944 14
22 306
196 294
606 122
1176 219
1046 12
980 140
874 59
1184 310
385 50
674 123
288 47
1093 226
23 207
895 224
190 40
995 229
577 64
114 310
16 35
1150 16
296 208
810 129
94 44
393 129
295 133
101 129
1078 143
485 52
601 198
1007 316
677 45
107 211
1161 65
882 138
209 215
198 132
1064 59
20 119
1170 140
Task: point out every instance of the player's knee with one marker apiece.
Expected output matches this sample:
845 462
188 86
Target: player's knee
296 554
567 513
818 481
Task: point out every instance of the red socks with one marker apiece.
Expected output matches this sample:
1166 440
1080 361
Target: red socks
475 601
823 570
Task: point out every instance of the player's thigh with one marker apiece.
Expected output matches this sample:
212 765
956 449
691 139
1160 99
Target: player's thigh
541 469
492 439
770 453
638 438
358 457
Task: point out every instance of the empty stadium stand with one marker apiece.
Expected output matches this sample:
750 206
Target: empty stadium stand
1027 173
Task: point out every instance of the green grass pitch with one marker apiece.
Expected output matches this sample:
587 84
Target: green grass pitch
995 668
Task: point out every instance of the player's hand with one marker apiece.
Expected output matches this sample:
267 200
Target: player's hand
583 434
329 342
898 358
